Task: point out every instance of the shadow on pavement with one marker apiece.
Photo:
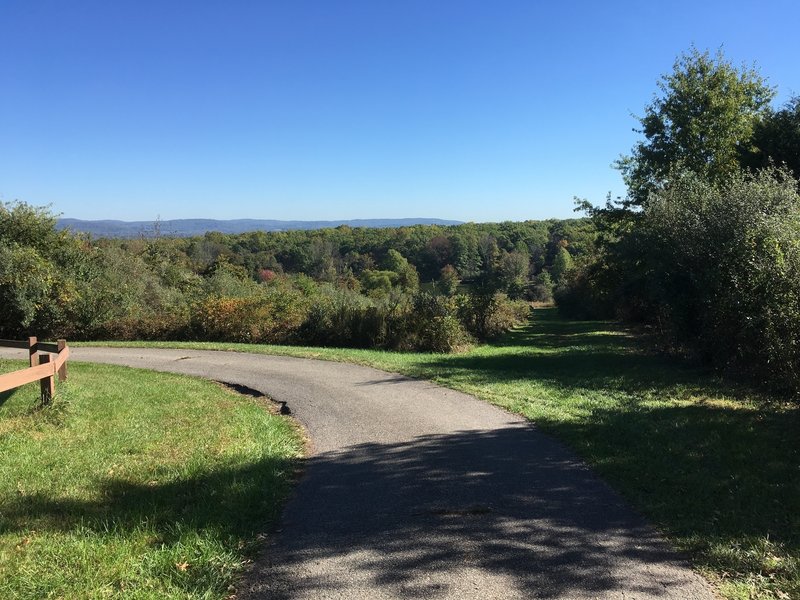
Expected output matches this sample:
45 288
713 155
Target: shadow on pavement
506 509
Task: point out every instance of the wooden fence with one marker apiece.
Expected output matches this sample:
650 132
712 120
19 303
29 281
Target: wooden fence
43 366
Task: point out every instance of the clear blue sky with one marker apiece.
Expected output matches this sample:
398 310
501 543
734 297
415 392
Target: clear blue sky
327 109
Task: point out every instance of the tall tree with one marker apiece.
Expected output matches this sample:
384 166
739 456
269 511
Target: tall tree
701 119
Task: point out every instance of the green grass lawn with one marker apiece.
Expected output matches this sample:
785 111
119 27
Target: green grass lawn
135 484
716 467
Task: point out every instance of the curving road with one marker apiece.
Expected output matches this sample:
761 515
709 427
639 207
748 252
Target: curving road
416 491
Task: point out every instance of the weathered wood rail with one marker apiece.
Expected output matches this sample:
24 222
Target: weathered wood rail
43 367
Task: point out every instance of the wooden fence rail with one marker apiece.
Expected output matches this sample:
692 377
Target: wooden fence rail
43 367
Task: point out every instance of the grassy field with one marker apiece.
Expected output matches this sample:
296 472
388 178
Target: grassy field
136 485
715 467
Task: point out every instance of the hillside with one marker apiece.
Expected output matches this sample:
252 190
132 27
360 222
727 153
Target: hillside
194 227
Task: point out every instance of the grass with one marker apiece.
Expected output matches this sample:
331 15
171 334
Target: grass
715 466
134 484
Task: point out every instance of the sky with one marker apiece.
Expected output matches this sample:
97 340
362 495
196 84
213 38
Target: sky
340 109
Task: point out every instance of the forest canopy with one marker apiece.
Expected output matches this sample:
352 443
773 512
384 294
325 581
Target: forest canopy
421 287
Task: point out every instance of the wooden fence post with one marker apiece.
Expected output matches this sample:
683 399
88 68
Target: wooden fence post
33 350
62 372
48 383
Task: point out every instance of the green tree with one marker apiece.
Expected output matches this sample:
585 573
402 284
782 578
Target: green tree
449 280
26 283
776 139
542 288
513 272
562 264
378 283
407 277
466 255
324 259
700 121
38 267
489 252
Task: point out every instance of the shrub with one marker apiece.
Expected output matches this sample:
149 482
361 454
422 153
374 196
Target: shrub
716 270
271 317
171 324
235 288
486 314
726 269
378 283
583 295
506 314
433 325
341 317
26 284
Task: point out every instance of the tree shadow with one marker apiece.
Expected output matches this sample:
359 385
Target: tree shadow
546 325
235 502
460 515
713 470
443 514
721 479
586 355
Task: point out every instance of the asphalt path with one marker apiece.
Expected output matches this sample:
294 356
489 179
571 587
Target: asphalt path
416 491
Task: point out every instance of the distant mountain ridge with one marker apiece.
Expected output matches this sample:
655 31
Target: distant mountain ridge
193 227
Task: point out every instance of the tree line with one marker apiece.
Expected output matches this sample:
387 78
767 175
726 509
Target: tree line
417 288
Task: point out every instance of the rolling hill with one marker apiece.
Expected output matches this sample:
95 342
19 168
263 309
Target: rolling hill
193 227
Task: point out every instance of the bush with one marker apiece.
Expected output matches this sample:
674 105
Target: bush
487 314
37 264
506 314
344 318
727 263
173 324
582 295
433 325
716 270
26 284
271 317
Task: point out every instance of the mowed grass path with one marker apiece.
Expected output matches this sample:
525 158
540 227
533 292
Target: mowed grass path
137 485
715 467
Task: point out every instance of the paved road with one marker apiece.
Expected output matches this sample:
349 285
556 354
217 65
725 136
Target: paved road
415 491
